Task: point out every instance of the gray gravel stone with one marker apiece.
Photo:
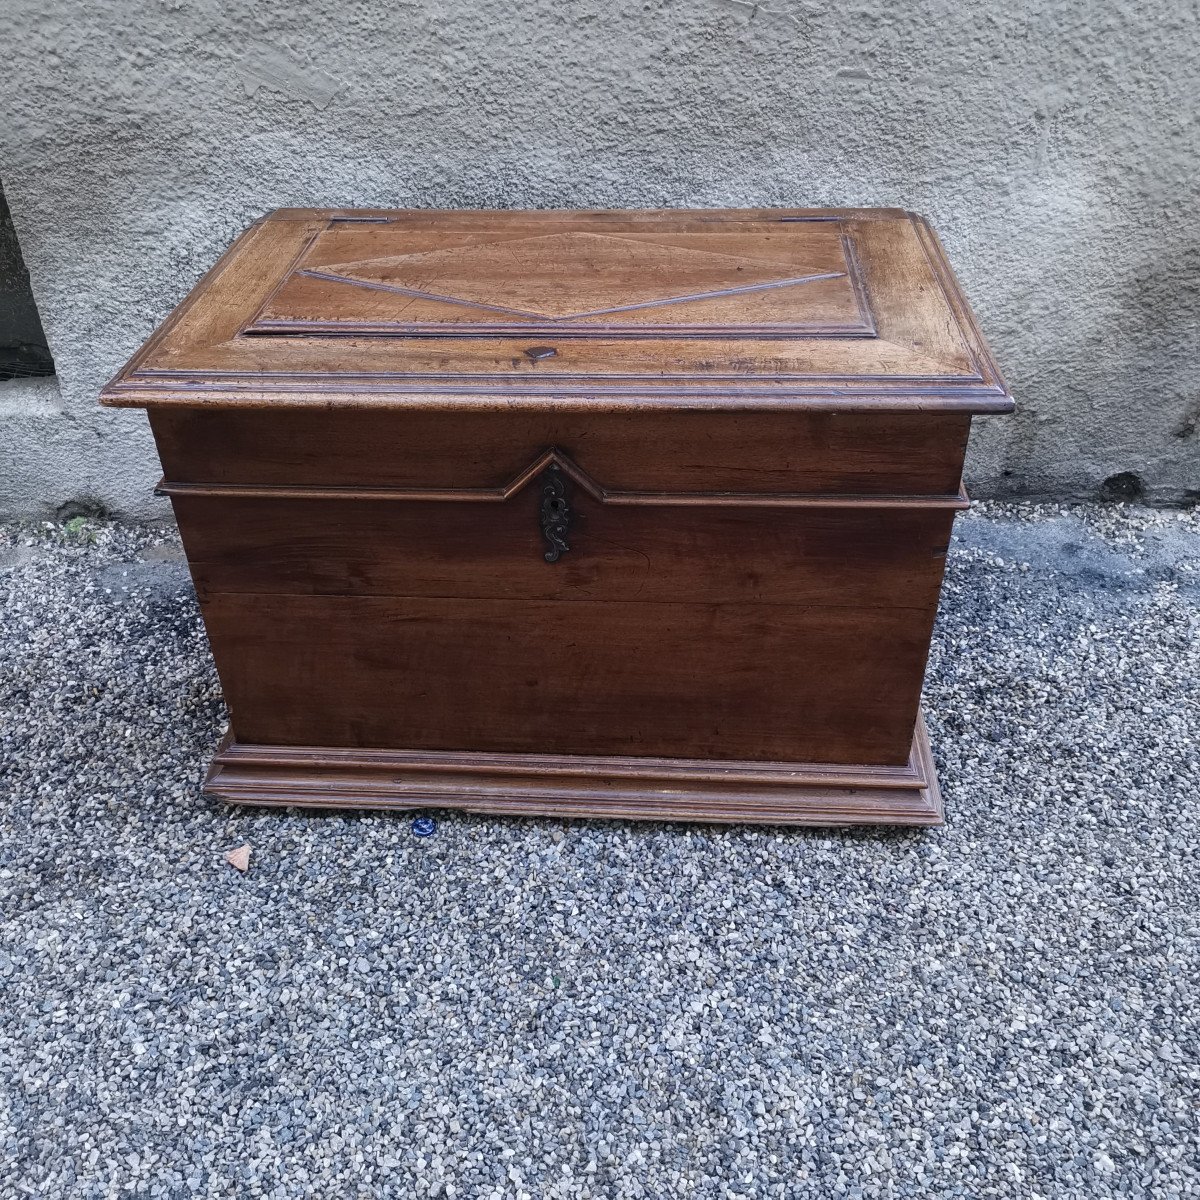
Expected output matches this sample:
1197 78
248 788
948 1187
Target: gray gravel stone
1003 1007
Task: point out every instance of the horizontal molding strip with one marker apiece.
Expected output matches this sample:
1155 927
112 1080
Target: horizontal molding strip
578 332
451 762
235 491
533 382
581 785
196 393
498 495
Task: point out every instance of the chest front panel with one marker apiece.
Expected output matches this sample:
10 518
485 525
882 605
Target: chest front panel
711 594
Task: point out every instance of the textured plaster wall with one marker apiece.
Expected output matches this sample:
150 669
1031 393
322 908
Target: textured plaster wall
1054 145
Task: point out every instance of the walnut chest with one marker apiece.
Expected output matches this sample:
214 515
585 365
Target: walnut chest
616 514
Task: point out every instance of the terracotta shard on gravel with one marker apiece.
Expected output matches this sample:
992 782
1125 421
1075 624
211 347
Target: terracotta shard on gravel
240 857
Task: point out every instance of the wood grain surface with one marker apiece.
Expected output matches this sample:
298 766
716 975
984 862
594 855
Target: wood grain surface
729 310
592 513
608 788
648 451
583 677
873 558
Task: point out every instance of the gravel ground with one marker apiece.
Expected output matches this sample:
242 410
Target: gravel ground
1003 1007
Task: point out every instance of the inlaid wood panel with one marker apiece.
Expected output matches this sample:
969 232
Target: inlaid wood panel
770 279
717 681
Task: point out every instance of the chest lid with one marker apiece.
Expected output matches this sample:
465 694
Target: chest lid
732 309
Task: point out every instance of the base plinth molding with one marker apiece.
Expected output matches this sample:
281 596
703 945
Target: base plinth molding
615 788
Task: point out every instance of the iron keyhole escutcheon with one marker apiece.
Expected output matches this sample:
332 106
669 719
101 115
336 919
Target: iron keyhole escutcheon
556 513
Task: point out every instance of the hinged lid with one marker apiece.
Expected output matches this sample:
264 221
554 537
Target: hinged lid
812 308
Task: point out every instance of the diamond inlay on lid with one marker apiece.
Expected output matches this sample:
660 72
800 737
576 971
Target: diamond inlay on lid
573 283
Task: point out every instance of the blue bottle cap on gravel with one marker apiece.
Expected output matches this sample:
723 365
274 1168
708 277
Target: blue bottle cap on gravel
424 826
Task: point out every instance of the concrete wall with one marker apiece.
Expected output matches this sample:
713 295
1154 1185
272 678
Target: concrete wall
1054 145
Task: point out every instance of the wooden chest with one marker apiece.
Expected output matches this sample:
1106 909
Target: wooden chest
597 513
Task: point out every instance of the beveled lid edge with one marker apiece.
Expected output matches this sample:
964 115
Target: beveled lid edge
131 387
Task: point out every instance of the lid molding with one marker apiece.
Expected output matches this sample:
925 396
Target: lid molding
712 309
